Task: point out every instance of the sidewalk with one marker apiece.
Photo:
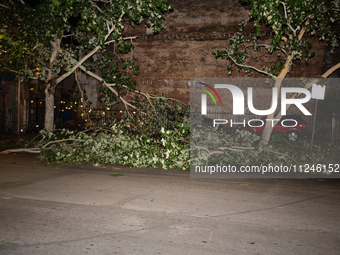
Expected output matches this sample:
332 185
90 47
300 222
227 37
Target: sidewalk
82 209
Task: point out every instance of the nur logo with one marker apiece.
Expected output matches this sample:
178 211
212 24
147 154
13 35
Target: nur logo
204 96
318 92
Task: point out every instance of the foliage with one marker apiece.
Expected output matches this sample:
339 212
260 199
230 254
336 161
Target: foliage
137 140
107 97
29 31
115 145
50 40
150 119
179 147
209 146
289 22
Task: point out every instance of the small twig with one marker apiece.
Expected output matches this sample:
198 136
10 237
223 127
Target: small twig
67 35
31 150
202 148
243 148
83 131
231 149
59 141
216 152
32 140
125 38
251 67
5 6
109 86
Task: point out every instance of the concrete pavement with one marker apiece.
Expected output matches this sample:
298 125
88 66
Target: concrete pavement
81 209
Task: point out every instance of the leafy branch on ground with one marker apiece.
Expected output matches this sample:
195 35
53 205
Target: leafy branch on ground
122 143
241 148
116 145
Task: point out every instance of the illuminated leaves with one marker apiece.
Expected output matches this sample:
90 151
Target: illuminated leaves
289 23
80 26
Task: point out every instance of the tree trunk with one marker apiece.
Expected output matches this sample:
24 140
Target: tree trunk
49 106
268 128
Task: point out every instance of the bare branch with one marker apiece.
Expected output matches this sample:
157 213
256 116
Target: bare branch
12 70
264 45
108 26
331 70
230 149
251 67
202 148
243 148
172 99
285 9
61 78
78 64
309 85
36 45
56 46
97 7
126 38
59 141
30 150
64 36
109 86
5 6
112 41
291 28
79 87
113 28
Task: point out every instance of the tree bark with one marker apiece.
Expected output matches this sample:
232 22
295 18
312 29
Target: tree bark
49 105
267 132
268 128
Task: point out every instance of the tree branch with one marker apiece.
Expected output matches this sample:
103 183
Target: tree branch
331 70
264 45
5 6
82 96
58 141
109 86
251 67
30 150
56 45
61 78
172 99
126 38
309 85
64 36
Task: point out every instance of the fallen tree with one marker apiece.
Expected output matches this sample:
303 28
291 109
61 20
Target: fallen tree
50 40
291 25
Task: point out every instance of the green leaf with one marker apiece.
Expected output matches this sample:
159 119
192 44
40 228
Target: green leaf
116 175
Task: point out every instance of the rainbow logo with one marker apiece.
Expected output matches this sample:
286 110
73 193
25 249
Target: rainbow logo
208 92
